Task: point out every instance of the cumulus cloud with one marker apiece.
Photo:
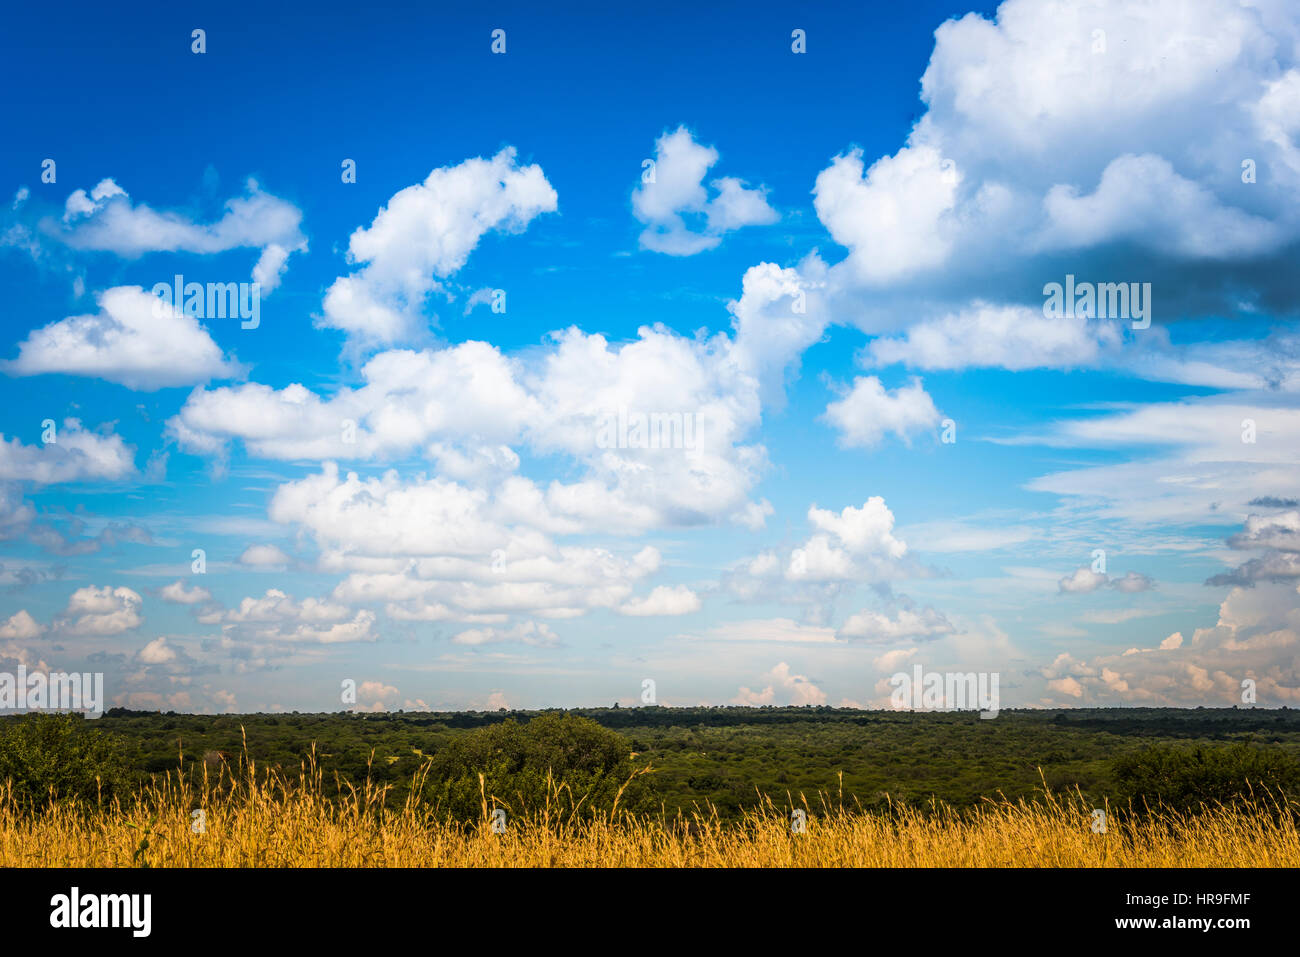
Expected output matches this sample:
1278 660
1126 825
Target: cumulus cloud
527 632
1143 200
177 594
157 652
375 695
1007 337
278 618
853 546
664 600
135 339
868 529
74 454
424 234
263 556
894 218
868 411
21 626
1083 580
1277 539
908 623
675 199
433 549
103 610
785 687
1253 644
106 219
1046 147
657 425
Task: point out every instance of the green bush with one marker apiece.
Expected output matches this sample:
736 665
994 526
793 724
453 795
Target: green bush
62 757
591 763
1187 778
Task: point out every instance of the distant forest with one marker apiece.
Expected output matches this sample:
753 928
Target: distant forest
728 756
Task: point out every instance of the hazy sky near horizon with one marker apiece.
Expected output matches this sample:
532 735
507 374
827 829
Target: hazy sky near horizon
810 251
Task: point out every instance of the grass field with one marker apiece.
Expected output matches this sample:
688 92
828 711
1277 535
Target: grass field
268 819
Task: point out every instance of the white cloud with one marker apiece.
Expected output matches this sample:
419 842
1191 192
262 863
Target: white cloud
1047 141
75 455
1205 469
157 652
854 545
664 600
527 632
178 594
895 217
780 313
678 192
467 406
277 618
1256 637
135 339
794 689
1083 580
868 411
908 623
21 626
1275 538
264 556
868 529
424 234
100 611
1004 336
376 692
1142 199
106 219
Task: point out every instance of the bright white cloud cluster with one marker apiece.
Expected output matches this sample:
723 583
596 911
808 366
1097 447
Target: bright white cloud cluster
784 687
1083 580
1047 147
106 219
672 198
135 339
908 623
72 454
424 234
868 411
658 424
664 600
1255 640
435 550
1007 337
103 610
277 618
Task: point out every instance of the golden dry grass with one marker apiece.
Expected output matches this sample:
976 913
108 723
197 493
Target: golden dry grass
268 820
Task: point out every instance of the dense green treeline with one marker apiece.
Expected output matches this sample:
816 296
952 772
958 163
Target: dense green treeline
723 756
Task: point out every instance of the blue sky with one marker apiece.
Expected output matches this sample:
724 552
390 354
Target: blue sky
837 273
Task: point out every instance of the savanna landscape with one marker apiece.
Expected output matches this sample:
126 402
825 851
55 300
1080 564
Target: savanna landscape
654 787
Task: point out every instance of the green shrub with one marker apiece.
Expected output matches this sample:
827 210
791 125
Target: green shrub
1187 778
62 757
591 761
